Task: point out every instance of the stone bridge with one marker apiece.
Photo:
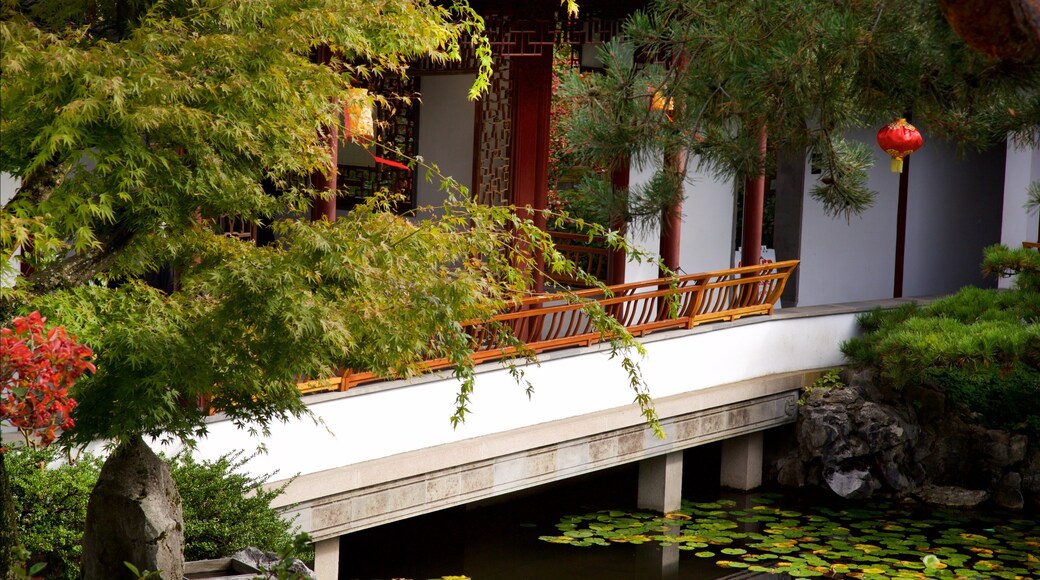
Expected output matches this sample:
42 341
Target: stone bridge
386 451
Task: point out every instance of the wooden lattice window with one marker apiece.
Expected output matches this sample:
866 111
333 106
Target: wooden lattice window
396 139
495 138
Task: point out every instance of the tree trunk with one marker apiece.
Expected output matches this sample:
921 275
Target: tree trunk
134 515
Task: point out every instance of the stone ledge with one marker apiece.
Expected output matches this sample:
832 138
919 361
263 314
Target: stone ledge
365 507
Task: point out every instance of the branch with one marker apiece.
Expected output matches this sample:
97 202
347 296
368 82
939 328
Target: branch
37 186
79 268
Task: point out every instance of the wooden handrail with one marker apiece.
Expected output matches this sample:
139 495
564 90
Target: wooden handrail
587 255
1034 245
550 321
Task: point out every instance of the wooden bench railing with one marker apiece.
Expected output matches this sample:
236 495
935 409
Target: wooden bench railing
590 257
549 321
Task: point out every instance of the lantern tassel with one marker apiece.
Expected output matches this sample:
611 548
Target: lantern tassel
897 165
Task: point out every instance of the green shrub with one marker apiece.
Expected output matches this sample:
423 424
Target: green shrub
982 347
51 506
1003 401
225 510
999 260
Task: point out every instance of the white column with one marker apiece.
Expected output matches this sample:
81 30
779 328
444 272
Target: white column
742 462
660 483
1021 167
326 559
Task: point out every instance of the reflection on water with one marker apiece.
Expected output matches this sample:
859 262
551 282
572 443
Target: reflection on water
500 540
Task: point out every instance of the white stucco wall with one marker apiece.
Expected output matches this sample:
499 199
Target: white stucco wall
8 186
705 241
1019 225
846 261
446 122
709 206
953 211
381 420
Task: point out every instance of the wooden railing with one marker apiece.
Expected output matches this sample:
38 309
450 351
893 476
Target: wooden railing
1034 245
590 257
549 321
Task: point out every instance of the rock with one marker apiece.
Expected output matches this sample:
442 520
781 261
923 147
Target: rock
821 427
896 479
928 403
1031 479
864 381
789 472
951 496
852 484
133 515
998 447
265 561
1017 448
1008 493
881 427
868 438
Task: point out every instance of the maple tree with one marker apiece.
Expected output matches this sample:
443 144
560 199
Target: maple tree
39 366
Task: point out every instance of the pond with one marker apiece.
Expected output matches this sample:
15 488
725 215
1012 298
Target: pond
590 529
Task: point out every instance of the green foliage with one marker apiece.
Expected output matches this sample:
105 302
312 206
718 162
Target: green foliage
999 260
1004 399
18 569
1033 197
776 538
120 134
143 574
8 526
295 548
132 136
226 510
842 189
982 347
829 380
806 72
51 507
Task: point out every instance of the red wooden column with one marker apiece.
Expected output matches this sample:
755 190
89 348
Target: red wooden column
671 218
532 78
904 197
754 199
617 259
326 181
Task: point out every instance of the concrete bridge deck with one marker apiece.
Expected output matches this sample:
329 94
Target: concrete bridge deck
386 451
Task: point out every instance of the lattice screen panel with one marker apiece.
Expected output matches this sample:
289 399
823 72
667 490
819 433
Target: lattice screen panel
495 129
396 127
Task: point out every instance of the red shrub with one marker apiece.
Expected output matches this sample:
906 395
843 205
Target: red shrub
37 367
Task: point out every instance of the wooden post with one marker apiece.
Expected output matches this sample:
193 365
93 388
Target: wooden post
530 175
904 194
754 200
616 259
674 163
671 218
326 181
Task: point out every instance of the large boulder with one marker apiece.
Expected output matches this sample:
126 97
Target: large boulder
865 439
266 561
853 445
133 515
952 496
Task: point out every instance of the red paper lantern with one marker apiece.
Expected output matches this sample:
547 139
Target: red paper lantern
899 139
